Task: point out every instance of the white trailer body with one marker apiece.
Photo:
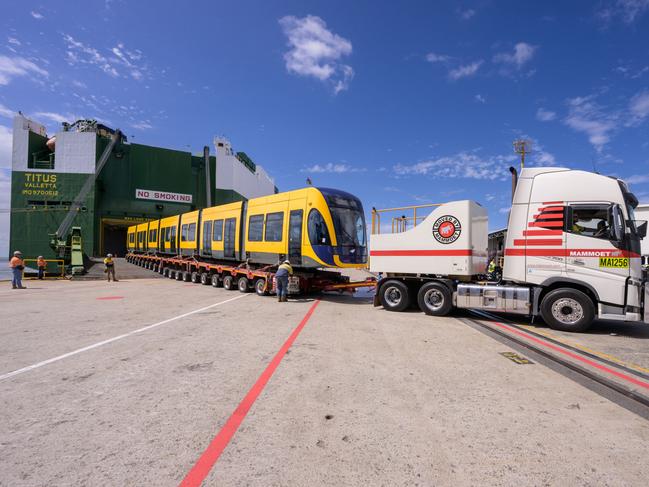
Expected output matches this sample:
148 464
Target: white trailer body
572 254
451 241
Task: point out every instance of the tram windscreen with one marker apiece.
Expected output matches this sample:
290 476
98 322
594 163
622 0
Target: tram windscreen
347 214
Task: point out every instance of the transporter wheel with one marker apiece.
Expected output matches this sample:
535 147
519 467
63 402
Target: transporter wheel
394 295
243 284
165 272
435 299
196 277
567 309
187 276
172 274
228 283
216 280
179 275
205 278
260 285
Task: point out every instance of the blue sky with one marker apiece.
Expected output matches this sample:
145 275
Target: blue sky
397 102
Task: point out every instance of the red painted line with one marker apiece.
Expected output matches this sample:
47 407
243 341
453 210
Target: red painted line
419 253
539 241
212 453
106 298
574 356
542 233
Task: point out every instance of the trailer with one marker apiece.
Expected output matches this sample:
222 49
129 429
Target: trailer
245 277
571 254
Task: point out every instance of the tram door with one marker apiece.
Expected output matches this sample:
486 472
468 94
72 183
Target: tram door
295 237
228 238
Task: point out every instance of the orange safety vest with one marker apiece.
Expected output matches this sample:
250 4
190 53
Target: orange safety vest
41 263
15 262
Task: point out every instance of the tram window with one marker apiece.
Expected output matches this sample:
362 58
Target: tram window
152 235
217 230
317 228
191 232
131 238
183 233
274 226
256 228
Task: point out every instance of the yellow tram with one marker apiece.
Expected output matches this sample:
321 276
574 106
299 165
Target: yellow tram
311 227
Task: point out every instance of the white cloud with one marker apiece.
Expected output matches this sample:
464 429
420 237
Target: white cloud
121 59
637 179
465 70
585 115
331 168
523 53
142 125
36 15
468 165
627 10
479 98
466 14
431 57
13 40
639 107
57 117
504 210
545 115
79 84
6 112
12 67
316 51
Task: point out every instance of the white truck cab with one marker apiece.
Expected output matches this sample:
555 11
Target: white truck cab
572 254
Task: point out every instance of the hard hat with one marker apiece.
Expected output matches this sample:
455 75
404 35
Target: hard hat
18 252
109 255
287 261
40 256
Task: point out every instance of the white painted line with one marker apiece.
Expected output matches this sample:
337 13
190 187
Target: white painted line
111 340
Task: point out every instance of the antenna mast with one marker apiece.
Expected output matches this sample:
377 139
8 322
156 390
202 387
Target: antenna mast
522 147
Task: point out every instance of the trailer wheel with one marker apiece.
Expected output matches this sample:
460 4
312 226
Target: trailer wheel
196 277
206 280
228 283
243 284
435 299
260 287
171 274
165 272
216 280
179 275
187 276
567 309
394 295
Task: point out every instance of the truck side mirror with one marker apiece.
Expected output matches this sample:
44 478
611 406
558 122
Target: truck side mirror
641 229
617 227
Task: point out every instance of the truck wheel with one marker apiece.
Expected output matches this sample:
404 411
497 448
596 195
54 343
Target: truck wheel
228 283
394 295
196 277
187 276
567 310
260 285
435 299
216 280
171 274
179 275
243 284
205 278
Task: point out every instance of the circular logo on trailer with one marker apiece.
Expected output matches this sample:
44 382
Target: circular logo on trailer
447 229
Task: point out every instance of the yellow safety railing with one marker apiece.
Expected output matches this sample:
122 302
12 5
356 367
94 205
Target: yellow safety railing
59 273
402 222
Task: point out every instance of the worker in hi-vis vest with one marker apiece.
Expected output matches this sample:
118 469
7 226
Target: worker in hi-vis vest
42 265
110 267
281 276
17 265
